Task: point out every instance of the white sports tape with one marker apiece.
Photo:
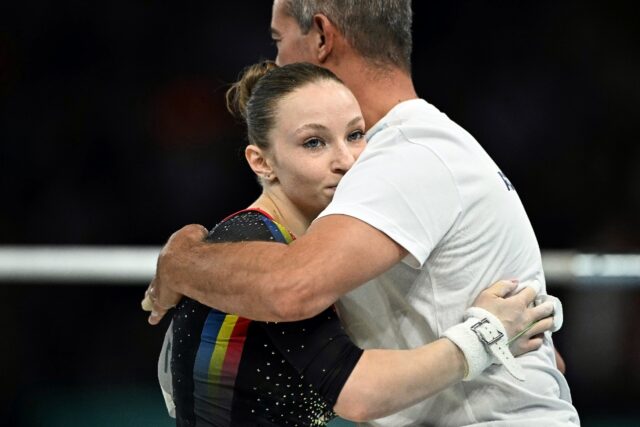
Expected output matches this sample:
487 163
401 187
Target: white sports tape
558 315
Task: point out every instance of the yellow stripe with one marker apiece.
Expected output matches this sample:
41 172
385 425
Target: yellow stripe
285 233
220 350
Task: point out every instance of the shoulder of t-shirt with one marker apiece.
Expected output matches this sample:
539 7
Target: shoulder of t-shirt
429 123
400 144
406 142
247 225
405 137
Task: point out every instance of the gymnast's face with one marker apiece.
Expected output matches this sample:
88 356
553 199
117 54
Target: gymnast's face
318 134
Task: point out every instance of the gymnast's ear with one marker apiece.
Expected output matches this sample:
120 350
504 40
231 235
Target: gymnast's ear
326 34
259 163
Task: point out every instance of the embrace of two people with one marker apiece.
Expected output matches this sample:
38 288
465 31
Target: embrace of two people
359 282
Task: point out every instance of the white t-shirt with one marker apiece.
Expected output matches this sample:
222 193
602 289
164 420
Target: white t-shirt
426 183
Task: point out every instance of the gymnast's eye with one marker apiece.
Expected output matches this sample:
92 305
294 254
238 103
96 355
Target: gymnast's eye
313 143
355 136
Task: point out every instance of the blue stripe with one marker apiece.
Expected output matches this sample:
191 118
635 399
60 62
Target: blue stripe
275 231
202 391
208 339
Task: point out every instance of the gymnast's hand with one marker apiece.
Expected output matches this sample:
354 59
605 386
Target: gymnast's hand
522 320
171 270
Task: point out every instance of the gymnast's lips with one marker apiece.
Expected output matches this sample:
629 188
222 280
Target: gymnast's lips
332 188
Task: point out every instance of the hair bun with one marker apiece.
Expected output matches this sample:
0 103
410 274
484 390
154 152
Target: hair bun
240 92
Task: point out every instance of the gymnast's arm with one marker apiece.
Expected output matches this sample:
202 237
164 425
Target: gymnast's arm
271 281
387 381
364 385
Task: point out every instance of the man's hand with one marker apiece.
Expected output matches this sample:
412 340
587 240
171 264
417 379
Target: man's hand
157 307
517 314
161 295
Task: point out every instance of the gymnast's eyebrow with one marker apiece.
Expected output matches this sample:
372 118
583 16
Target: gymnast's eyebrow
310 126
319 127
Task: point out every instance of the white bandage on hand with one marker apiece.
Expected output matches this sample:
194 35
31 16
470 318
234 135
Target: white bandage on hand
558 316
483 341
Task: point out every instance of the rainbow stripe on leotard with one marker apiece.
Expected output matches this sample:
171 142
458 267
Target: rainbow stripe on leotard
221 345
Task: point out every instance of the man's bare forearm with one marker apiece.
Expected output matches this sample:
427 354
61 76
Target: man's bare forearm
251 279
271 281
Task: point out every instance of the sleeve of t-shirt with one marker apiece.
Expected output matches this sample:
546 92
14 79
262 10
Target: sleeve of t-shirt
319 349
403 189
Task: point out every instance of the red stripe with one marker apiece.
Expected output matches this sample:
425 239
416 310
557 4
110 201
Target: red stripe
263 212
234 351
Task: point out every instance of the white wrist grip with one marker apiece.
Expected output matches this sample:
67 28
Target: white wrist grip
478 359
483 340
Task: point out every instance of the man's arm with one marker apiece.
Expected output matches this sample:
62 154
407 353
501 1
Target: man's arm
271 281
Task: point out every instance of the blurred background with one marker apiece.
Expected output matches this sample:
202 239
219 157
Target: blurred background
113 131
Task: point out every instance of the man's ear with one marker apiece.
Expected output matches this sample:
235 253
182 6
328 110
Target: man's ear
259 163
326 37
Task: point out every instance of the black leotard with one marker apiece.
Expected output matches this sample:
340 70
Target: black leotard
231 371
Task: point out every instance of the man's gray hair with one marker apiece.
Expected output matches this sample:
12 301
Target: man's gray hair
380 30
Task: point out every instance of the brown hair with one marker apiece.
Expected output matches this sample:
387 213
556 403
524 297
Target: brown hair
255 96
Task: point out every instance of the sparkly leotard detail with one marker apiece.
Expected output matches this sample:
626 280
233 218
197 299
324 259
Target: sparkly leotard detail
231 371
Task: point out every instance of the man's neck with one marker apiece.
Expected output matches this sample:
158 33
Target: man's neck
377 92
